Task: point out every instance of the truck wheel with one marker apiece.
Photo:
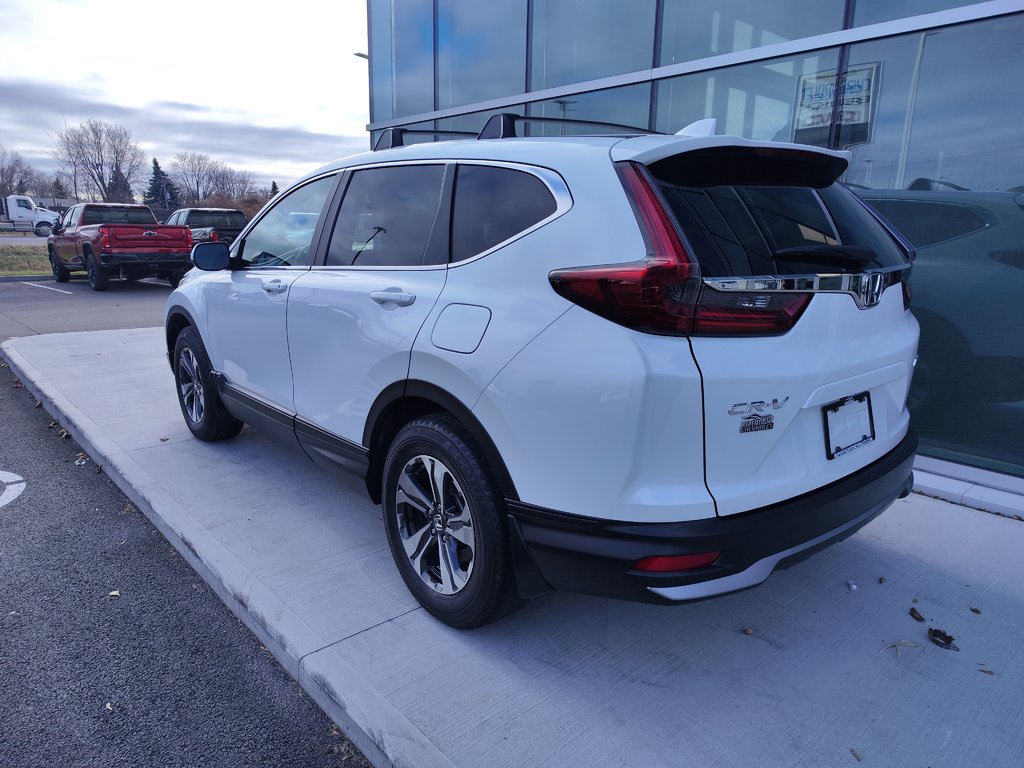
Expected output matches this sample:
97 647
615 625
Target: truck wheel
98 278
174 278
204 412
44 229
60 273
446 524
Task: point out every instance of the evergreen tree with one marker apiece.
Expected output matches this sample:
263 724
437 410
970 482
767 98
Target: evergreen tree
273 188
58 190
119 190
162 192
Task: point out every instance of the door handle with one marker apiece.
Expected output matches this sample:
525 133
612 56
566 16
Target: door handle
393 295
274 286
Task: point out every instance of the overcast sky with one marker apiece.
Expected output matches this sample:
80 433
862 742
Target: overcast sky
269 88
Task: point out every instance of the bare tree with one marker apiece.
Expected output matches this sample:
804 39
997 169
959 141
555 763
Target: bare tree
194 173
12 169
95 151
35 183
227 182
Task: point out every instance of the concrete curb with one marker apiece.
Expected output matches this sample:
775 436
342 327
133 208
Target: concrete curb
380 731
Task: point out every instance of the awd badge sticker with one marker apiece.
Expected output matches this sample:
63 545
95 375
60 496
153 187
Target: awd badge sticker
757 422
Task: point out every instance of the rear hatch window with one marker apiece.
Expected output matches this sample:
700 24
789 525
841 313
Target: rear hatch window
229 219
748 212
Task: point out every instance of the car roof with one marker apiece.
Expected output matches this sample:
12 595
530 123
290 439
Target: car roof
554 151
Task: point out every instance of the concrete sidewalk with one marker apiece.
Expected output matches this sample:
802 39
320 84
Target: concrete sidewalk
831 675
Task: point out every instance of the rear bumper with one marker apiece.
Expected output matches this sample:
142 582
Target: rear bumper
567 552
152 261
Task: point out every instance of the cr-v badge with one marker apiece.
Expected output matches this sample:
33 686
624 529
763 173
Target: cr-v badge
757 415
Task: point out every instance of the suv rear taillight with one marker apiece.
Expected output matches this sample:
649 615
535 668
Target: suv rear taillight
214 235
663 293
104 237
188 238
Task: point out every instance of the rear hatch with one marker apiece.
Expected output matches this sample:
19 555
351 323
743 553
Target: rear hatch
798 299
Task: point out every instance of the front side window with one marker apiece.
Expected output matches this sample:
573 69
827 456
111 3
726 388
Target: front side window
23 203
386 217
493 205
284 236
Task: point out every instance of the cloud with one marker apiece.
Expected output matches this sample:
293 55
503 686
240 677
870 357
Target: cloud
34 112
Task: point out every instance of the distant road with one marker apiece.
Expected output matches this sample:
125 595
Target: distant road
22 240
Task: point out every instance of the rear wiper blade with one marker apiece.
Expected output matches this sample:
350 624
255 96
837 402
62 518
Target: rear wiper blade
841 255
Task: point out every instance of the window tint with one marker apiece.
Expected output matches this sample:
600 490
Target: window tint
23 203
216 219
927 223
494 204
282 238
746 230
114 215
386 217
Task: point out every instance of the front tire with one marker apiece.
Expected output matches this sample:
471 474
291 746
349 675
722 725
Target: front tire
204 411
99 280
44 230
60 272
446 524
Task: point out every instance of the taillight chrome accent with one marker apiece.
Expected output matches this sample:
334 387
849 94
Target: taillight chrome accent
866 288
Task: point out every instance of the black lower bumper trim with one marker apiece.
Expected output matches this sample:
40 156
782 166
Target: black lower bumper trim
595 556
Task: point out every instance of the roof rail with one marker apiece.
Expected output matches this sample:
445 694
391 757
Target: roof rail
503 125
395 137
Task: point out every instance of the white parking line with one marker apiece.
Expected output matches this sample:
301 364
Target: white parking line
58 290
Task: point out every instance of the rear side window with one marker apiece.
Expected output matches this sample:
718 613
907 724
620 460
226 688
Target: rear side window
494 204
746 214
387 216
926 223
107 215
216 219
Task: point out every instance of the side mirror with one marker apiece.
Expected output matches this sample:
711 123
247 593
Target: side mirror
211 256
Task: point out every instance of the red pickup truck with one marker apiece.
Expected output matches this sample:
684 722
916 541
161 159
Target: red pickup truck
115 240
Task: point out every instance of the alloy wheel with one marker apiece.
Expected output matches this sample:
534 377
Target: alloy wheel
435 524
191 386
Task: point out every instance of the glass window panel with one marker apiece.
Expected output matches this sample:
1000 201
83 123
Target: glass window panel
283 236
694 29
481 50
628 105
413 32
945 165
382 91
493 205
875 11
755 101
579 40
386 216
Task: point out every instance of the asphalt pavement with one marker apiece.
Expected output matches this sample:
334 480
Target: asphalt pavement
826 664
113 651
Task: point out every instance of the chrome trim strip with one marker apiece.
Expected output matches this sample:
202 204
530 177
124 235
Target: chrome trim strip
763 568
922 23
865 287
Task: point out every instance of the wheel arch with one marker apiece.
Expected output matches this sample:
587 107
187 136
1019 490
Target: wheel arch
177 320
404 401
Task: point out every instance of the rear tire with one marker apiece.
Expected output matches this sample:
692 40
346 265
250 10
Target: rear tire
204 411
99 280
60 272
446 524
174 279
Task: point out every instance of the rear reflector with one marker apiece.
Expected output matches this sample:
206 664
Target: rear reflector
672 563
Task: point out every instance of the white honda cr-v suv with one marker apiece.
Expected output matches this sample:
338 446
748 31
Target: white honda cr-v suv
645 366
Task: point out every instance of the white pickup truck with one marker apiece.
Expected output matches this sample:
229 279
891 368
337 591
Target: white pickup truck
19 213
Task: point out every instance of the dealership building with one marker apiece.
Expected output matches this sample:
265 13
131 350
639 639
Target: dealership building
926 95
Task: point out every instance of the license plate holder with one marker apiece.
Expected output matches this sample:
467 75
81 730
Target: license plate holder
849 424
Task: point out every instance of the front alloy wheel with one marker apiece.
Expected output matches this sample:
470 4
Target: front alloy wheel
204 411
190 386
